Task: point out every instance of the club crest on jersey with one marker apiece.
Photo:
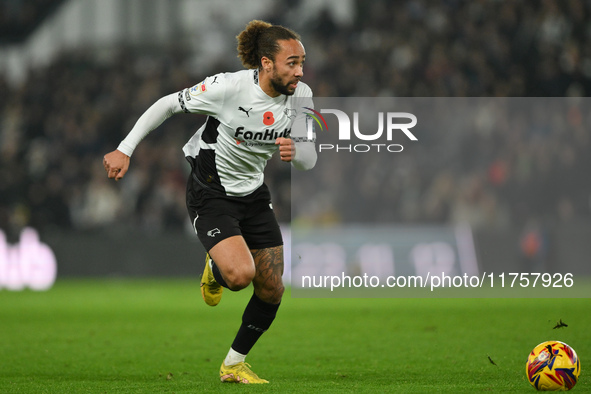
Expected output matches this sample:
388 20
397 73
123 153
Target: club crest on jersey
198 89
290 113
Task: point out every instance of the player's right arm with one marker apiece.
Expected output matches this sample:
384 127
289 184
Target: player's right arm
192 100
116 163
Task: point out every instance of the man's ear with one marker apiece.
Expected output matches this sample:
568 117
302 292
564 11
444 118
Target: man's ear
267 63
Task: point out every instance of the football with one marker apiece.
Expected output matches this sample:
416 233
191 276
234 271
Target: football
553 366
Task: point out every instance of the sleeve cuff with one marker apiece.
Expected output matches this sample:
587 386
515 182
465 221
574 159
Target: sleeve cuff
125 148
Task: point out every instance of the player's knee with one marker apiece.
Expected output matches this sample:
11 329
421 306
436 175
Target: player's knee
238 284
238 279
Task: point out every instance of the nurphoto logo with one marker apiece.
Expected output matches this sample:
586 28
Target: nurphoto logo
392 125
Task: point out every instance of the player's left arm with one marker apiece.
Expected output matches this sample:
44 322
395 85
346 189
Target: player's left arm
302 155
300 150
286 148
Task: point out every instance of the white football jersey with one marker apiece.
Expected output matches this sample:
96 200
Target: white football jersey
230 151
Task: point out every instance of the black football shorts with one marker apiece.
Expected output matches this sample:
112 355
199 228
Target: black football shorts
216 216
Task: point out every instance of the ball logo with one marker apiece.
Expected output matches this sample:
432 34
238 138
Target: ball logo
29 263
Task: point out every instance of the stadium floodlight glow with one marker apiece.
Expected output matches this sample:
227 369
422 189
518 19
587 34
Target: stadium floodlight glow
30 263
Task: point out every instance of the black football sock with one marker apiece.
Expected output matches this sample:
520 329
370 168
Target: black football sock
217 275
257 319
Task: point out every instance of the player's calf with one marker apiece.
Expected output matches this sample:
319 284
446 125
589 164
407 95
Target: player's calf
268 282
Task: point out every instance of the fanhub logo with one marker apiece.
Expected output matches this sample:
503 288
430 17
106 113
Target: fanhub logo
267 135
344 133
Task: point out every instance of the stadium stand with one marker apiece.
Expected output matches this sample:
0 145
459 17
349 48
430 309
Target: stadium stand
18 18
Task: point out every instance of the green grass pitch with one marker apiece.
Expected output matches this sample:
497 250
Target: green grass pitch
157 336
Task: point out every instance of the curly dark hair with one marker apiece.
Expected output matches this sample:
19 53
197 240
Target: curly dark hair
259 39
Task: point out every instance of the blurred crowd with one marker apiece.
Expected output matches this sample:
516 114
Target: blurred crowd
55 129
455 48
492 162
18 18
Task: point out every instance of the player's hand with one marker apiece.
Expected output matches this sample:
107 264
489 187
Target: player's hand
286 148
116 164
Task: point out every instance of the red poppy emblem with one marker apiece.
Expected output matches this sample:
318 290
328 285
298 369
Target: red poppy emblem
268 118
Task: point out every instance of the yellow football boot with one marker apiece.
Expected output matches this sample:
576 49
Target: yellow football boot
239 373
211 291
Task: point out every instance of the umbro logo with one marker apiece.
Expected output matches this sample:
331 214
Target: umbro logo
246 111
213 232
257 329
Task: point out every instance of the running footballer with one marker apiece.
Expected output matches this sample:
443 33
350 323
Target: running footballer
251 114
